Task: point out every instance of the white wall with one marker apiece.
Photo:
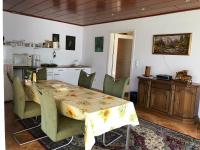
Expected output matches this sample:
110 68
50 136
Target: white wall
31 29
18 27
144 29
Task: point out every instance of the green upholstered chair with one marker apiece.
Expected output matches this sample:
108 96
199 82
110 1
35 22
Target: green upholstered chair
56 126
115 88
28 74
24 109
86 80
41 74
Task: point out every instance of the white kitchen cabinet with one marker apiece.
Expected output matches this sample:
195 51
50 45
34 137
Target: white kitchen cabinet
73 74
60 74
49 73
68 75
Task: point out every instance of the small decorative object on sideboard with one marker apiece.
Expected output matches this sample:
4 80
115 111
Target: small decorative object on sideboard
147 71
183 76
163 77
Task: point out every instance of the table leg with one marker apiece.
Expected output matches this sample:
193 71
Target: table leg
127 137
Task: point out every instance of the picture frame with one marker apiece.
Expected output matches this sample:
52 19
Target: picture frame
70 42
172 44
99 44
55 37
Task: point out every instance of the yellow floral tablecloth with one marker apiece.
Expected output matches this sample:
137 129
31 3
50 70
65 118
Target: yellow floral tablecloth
100 111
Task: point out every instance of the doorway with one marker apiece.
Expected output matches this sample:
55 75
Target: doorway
119 61
120 54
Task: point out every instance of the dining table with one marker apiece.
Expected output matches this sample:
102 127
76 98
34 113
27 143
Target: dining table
99 111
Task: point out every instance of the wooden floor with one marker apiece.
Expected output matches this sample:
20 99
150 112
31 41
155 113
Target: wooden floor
11 125
168 122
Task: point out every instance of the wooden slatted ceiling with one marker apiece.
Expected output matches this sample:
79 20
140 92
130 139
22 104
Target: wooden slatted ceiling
88 12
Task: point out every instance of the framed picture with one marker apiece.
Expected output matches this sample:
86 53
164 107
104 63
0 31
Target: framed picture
172 44
99 44
55 37
70 42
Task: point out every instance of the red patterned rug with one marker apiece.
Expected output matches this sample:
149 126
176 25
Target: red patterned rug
146 136
150 136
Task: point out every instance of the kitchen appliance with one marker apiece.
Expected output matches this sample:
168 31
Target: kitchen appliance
36 60
22 59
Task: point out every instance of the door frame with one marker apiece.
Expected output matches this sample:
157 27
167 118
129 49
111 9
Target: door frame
113 49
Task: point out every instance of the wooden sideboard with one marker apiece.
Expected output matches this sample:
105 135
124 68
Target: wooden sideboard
169 97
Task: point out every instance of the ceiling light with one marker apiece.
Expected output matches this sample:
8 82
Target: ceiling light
142 9
187 1
112 14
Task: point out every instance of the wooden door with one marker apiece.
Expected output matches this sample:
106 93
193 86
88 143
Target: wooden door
160 100
123 62
184 102
189 104
179 99
144 92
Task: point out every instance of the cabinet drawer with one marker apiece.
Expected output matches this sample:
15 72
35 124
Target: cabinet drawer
161 85
49 70
59 69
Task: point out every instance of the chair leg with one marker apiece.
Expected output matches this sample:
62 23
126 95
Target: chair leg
127 137
104 138
14 135
65 144
26 129
35 120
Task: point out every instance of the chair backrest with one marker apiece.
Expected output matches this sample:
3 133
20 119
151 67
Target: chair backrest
19 97
42 74
49 114
28 74
10 77
86 80
115 88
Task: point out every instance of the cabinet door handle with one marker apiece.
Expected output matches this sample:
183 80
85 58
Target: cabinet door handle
49 72
56 74
77 69
60 70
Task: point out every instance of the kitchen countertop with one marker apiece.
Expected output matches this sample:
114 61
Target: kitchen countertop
70 66
59 66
